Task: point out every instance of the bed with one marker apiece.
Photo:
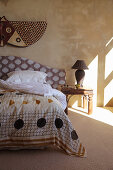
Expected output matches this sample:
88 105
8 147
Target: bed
32 108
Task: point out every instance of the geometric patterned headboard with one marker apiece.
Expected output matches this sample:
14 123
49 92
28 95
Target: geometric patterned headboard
55 76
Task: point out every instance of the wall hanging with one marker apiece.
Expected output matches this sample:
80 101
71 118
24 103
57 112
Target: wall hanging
20 33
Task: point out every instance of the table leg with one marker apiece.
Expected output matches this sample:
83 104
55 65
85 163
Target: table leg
85 102
90 104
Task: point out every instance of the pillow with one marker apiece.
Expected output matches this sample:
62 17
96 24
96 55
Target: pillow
27 76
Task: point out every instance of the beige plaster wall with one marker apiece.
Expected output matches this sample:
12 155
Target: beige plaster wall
77 29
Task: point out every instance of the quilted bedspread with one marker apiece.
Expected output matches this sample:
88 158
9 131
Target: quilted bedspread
29 120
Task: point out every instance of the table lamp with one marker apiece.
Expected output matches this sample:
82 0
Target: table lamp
80 73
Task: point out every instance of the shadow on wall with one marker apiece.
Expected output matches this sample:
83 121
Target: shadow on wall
86 31
101 76
105 75
4 2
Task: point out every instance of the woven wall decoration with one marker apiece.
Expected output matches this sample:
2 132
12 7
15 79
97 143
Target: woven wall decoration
20 33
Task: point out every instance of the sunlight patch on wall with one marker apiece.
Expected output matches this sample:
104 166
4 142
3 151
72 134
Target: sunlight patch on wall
109 63
91 76
108 92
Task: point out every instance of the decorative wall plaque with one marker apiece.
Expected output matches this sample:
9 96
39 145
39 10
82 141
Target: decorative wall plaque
20 33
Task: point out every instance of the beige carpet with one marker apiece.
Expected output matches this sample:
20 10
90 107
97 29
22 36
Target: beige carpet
95 135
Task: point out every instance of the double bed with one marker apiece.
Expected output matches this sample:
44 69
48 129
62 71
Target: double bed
32 108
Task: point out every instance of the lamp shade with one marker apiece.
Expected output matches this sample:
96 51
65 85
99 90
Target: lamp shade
80 73
80 64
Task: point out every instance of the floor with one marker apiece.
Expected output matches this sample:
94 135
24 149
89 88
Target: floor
103 114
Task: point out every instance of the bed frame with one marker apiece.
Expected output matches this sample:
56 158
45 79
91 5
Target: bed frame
55 77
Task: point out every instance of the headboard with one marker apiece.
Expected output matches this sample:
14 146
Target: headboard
55 76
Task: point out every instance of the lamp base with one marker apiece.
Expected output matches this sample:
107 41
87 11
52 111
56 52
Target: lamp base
79 75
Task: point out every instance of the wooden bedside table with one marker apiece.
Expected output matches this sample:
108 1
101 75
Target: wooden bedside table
87 96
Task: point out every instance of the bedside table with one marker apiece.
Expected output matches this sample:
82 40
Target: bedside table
87 96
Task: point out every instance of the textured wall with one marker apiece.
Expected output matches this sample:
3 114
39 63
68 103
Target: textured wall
77 29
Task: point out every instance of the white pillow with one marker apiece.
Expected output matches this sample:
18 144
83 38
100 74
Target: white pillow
27 76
